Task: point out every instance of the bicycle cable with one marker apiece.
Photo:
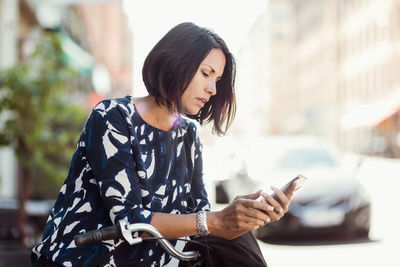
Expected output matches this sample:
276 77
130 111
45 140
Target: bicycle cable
152 238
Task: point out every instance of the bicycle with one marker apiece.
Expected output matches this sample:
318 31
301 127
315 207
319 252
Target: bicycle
124 230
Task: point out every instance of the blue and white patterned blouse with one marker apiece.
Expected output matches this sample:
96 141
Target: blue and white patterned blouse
123 168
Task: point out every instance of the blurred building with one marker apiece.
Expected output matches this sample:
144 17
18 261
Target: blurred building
97 42
303 67
282 31
333 71
17 21
109 39
369 84
252 92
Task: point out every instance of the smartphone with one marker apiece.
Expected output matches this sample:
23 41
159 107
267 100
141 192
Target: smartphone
298 181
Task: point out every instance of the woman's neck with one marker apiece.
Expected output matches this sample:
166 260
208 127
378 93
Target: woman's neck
156 115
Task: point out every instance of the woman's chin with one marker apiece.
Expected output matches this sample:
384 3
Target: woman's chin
192 112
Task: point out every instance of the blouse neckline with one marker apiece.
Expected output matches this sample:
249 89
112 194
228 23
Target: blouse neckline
175 126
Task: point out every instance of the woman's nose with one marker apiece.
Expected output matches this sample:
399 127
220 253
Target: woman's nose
212 88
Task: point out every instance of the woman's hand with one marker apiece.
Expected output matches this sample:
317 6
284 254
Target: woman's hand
243 214
249 212
279 201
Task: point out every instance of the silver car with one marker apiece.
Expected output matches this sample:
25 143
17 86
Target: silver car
331 201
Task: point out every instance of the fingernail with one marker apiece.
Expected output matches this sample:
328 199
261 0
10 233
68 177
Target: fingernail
270 208
267 220
274 188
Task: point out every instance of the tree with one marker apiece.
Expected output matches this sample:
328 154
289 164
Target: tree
41 124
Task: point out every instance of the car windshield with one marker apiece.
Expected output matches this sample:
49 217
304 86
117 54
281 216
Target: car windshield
305 158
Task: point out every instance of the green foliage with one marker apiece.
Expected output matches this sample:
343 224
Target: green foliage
37 118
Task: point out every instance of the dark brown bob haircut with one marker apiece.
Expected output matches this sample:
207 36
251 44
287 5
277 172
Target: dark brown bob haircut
173 62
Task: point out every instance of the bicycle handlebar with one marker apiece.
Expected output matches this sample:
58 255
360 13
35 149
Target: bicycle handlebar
125 230
96 236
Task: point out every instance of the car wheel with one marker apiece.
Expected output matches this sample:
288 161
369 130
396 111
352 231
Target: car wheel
262 233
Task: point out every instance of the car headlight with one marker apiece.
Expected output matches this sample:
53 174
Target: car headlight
358 199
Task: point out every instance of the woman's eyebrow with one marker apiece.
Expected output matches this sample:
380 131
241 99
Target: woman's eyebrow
212 70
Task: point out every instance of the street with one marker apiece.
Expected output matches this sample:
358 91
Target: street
381 178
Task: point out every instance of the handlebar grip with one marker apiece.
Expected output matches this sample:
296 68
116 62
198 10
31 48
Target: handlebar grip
96 236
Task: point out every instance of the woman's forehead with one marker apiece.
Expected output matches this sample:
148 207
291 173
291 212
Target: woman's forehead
215 60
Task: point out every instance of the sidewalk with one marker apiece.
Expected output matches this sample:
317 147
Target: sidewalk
12 254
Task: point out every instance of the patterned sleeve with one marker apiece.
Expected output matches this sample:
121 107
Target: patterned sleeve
198 190
109 153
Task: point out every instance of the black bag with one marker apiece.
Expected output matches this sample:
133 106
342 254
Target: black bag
241 251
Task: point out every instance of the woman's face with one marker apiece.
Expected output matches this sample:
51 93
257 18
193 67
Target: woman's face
203 84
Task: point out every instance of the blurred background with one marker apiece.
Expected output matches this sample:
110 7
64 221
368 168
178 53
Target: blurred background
318 93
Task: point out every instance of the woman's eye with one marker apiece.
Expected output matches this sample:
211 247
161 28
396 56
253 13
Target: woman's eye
204 74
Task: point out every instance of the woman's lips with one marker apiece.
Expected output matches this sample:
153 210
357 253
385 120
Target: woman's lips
202 101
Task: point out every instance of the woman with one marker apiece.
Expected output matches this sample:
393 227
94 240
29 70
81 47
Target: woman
140 160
